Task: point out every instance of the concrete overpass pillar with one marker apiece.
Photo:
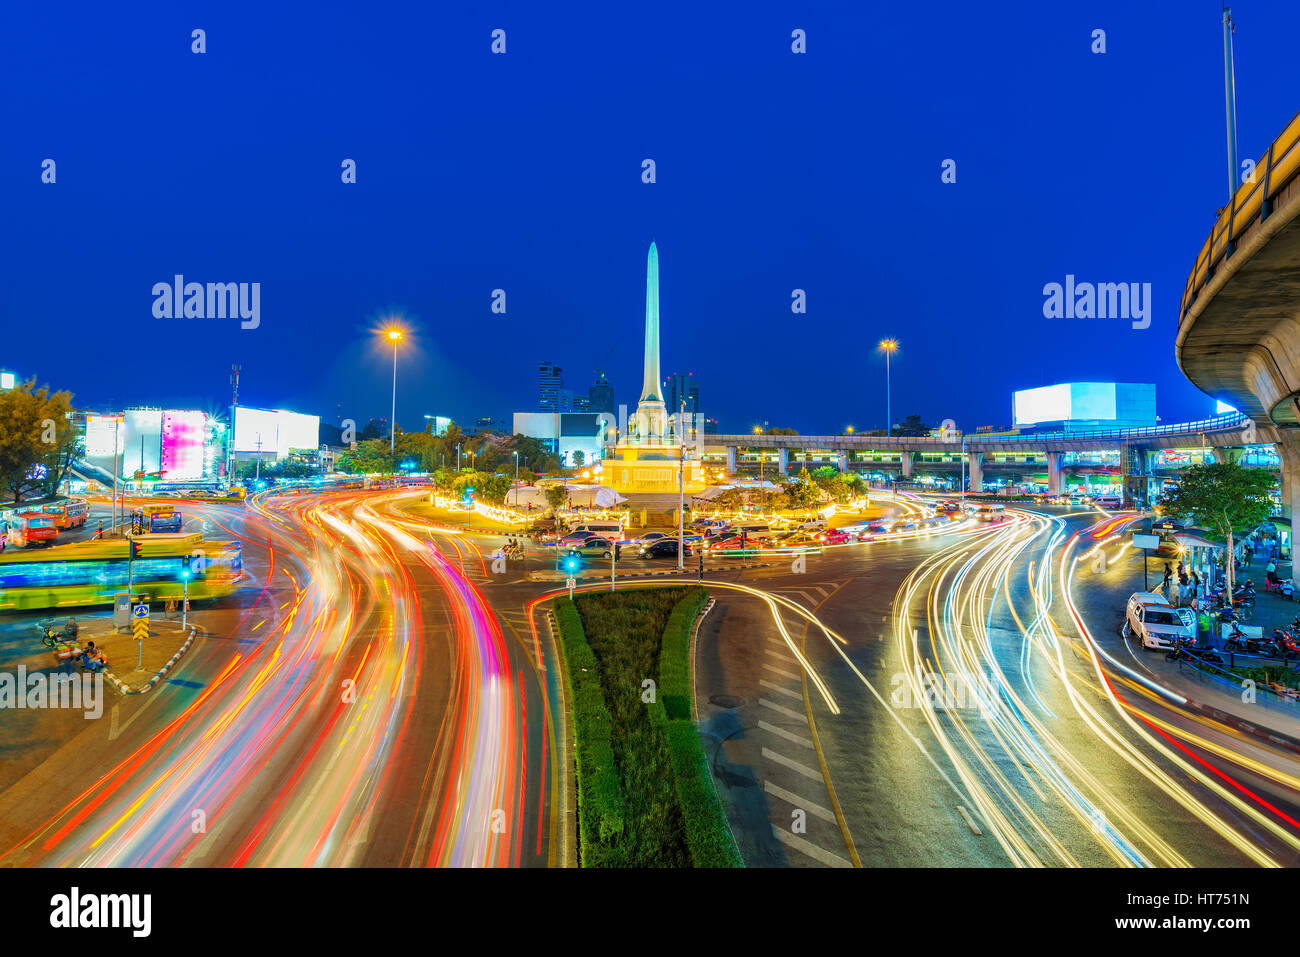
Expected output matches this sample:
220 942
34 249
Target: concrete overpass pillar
783 457
1289 451
908 460
975 471
1224 456
1055 474
731 460
842 461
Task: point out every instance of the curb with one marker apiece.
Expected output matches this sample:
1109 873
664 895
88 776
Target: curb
127 689
635 576
1232 720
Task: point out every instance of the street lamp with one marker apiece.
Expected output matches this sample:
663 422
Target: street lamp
888 347
516 466
394 336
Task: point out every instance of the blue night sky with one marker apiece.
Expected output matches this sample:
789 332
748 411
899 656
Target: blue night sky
475 172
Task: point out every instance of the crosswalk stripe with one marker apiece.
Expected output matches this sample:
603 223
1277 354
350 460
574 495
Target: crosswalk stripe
794 800
782 709
782 733
779 690
810 849
792 764
781 671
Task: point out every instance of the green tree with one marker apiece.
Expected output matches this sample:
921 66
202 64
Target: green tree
800 492
913 426
556 496
35 430
1226 498
370 457
774 430
577 458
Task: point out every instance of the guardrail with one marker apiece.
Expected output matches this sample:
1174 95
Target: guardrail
1227 422
1252 201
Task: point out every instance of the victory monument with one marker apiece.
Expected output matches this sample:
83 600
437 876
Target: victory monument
655 447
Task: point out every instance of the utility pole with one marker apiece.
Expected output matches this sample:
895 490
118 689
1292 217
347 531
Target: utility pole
230 435
1230 98
681 504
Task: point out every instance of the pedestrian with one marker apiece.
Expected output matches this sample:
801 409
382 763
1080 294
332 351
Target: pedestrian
99 532
1184 584
1196 587
1247 553
701 563
1182 569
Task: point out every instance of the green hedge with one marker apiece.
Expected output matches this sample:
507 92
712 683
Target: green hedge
626 815
708 834
601 808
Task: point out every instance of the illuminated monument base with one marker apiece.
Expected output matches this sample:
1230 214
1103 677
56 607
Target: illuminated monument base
651 469
649 455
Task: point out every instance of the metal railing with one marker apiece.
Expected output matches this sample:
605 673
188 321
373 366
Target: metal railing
1228 422
1253 201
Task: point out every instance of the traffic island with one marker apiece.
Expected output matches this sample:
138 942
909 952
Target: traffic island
645 796
134 668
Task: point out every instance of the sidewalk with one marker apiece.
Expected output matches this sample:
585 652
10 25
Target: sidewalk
1269 716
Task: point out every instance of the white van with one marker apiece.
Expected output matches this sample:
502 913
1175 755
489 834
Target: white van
610 530
752 530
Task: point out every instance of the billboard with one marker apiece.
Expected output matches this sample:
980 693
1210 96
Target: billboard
184 436
267 431
1051 403
1121 404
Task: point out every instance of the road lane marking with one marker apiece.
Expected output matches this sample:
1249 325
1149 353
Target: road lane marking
781 709
782 733
818 854
965 816
782 672
779 690
795 801
792 764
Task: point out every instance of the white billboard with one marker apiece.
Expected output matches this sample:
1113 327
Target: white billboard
1051 403
275 432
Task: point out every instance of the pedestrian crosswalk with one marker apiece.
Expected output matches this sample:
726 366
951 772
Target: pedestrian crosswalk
805 829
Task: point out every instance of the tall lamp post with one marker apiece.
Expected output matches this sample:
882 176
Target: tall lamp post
516 466
888 347
394 336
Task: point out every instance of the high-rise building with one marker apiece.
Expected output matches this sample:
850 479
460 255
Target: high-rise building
682 394
550 382
600 397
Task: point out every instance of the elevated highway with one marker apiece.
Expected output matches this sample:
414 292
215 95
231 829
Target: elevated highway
1239 319
1045 450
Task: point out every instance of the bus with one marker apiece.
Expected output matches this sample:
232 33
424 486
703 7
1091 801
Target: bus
92 573
70 514
157 518
32 528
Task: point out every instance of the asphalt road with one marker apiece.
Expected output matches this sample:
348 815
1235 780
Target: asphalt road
354 703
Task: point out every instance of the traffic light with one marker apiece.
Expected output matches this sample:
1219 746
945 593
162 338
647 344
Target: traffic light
572 563
135 549
186 573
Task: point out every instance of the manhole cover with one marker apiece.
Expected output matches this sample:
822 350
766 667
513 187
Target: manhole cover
724 701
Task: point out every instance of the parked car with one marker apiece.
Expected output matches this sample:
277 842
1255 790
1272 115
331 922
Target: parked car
650 537
664 548
1156 623
731 544
573 539
593 547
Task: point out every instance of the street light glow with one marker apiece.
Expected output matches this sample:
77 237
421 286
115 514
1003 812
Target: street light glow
888 345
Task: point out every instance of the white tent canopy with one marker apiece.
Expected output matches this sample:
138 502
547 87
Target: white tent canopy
588 496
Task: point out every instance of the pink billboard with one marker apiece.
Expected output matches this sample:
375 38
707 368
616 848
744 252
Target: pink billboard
183 434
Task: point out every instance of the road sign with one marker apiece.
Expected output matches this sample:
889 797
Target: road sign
140 611
140 629
570 583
